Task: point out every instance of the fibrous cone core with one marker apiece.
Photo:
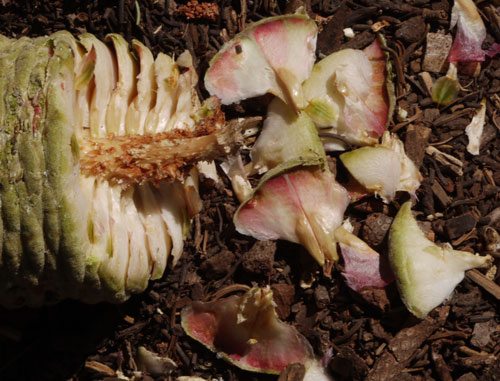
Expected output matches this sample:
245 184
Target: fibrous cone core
163 156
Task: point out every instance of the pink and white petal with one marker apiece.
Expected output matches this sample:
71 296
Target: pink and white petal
246 331
275 212
303 206
274 56
272 213
277 346
410 178
240 71
351 89
324 202
289 46
466 48
337 88
272 39
378 101
202 321
470 35
363 266
371 111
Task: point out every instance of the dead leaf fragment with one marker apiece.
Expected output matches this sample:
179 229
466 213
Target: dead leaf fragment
474 130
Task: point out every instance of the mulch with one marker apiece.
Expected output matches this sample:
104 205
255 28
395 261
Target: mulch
368 335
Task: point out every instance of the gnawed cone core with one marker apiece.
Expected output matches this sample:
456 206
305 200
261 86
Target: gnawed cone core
162 156
98 142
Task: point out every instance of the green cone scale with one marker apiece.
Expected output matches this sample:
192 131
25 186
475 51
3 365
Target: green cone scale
82 183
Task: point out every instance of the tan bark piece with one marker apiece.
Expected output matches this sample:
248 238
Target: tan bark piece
437 49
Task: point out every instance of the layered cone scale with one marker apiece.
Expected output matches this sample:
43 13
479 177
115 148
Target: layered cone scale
97 140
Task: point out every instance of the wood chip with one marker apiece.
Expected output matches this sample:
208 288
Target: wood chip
494 19
458 226
485 283
403 347
99 368
416 141
465 237
482 333
445 334
426 81
441 194
448 118
479 360
348 365
129 319
436 53
445 159
380 25
440 365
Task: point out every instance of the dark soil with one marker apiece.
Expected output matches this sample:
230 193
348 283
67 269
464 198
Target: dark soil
369 335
